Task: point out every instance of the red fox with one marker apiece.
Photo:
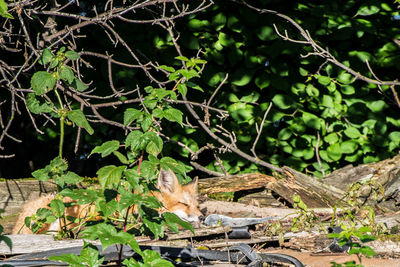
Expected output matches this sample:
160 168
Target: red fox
176 198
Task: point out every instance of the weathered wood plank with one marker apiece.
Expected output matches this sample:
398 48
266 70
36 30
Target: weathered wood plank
234 183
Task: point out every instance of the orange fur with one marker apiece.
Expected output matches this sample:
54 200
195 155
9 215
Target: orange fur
176 198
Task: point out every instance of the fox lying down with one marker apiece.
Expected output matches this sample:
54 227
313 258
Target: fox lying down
176 198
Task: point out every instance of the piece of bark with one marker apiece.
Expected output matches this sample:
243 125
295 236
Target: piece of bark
234 183
385 173
313 192
263 198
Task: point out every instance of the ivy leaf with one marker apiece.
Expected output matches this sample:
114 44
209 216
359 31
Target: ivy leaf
42 82
79 119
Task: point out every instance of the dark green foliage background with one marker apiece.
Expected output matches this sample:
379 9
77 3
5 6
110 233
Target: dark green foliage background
356 122
315 104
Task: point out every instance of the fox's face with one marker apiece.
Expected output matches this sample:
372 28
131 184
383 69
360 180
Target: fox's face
178 199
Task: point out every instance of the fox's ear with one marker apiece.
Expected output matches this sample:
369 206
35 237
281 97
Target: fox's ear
192 185
167 181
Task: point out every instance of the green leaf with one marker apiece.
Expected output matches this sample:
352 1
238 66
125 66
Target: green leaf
345 78
219 21
173 114
131 114
72 55
262 81
66 74
58 208
3 10
54 62
283 101
79 119
327 101
284 134
155 143
225 39
146 122
173 220
121 157
241 77
183 58
182 89
194 86
166 68
395 137
106 148
311 120
169 163
334 152
155 227
367 10
323 80
109 176
71 178
266 33
303 72
352 132
71 259
5 239
347 89
35 106
42 82
135 140
331 138
349 146
46 57
89 256
41 175
311 90
377 106
79 85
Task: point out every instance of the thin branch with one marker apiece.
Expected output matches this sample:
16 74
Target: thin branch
259 130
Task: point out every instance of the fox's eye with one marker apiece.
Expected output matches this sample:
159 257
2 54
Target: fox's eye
184 203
